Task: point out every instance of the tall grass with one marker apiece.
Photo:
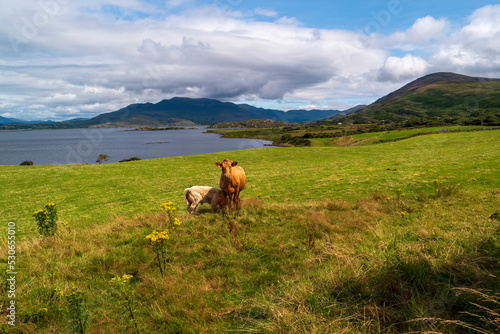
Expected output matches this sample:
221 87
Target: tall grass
353 266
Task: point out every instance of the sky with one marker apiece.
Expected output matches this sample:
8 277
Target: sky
65 59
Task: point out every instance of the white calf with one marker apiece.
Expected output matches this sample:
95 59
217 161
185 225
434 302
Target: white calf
199 194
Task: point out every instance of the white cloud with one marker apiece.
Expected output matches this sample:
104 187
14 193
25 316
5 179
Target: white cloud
474 49
85 59
424 30
483 23
408 67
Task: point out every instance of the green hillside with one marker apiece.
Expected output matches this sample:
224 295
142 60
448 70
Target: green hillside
365 239
441 98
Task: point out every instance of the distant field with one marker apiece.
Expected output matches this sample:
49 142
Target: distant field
398 237
383 136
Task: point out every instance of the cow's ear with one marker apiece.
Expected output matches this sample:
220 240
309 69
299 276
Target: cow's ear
218 164
234 163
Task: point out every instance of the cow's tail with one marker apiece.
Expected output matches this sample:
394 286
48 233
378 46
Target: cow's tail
186 191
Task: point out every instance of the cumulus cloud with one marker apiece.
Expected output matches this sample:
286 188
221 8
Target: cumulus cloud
476 47
425 30
397 69
62 59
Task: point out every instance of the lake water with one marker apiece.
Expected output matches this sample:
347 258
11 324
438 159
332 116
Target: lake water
76 146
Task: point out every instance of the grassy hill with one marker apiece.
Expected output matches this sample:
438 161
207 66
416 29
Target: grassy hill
366 239
445 98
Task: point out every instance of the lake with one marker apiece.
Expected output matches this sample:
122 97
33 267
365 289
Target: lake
76 146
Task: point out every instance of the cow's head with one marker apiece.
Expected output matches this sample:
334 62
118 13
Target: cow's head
226 166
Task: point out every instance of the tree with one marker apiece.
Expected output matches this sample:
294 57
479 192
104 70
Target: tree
101 158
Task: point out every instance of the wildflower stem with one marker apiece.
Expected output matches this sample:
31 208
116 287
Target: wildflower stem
159 263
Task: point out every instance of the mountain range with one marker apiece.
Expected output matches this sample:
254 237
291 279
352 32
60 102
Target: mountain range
187 111
6 120
443 96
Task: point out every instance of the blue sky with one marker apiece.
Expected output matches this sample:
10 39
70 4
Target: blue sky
62 59
354 15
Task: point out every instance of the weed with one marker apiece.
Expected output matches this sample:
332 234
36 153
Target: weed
159 245
170 209
67 226
38 316
46 220
126 295
77 310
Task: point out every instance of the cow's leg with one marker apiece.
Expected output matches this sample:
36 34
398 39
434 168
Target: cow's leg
225 201
236 199
232 199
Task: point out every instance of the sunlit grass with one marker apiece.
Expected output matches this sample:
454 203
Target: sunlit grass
320 245
340 265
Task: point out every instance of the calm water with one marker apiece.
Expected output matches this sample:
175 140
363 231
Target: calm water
75 146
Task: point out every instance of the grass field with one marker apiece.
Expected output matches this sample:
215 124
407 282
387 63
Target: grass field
395 237
369 138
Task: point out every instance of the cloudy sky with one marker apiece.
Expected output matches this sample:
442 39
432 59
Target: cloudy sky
61 59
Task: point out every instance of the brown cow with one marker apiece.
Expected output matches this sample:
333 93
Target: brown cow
232 181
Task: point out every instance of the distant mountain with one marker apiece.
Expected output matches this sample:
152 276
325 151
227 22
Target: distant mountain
5 120
180 110
354 108
77 119
298 116
448 97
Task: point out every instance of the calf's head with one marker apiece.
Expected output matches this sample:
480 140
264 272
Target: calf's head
226 166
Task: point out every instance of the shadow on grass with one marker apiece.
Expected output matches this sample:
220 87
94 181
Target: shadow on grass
412 294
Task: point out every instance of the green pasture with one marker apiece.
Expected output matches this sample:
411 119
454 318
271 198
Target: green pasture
383 136
92 194
399 237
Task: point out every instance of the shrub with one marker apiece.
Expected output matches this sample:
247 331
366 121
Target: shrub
26 163
131 159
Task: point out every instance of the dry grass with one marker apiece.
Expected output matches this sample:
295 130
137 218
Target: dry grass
332 266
